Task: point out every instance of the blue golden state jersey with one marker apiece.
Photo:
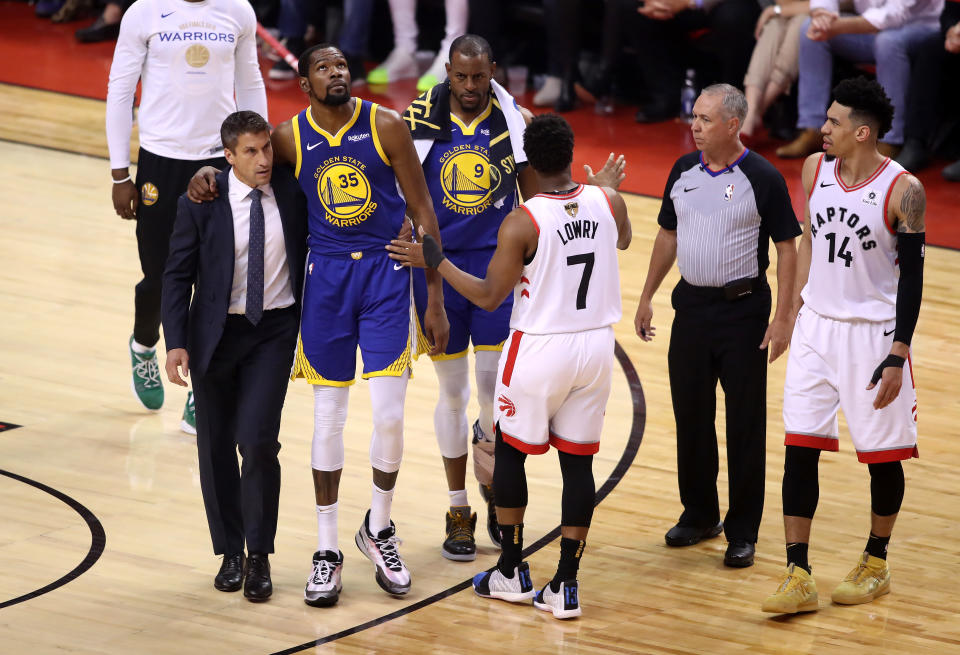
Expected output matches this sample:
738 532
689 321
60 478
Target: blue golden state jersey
351 190
462 185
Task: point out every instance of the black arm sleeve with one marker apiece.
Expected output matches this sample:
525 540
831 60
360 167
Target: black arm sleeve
910 247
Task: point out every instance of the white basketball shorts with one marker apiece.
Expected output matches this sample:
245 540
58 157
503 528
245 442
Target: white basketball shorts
830 365
553 389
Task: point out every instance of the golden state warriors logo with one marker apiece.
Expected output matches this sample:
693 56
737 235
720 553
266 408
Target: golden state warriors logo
344 191
468 179
149 193
197 56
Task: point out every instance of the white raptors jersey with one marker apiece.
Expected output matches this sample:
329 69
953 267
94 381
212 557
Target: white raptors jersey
573 282
853 267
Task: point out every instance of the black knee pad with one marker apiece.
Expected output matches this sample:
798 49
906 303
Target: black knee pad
579 490
886 487
801 484
509 475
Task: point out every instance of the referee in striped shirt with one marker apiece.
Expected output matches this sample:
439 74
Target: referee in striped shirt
720 207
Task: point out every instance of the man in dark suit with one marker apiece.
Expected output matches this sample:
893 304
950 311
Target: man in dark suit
243 255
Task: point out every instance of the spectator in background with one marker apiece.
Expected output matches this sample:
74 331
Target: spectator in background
952 45
107 25
401 64
886 32
563 54
774 64
292 22
666 30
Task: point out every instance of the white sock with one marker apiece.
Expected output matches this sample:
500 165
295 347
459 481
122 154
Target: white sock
380 503
327 527
459 498
139 348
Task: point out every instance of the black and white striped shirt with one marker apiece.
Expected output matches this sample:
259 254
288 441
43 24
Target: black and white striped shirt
724 219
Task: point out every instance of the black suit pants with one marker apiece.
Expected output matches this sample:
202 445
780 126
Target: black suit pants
239 399
717 340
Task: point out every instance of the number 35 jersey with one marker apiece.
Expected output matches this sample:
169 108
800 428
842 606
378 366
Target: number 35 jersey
853 266
573 282
351 190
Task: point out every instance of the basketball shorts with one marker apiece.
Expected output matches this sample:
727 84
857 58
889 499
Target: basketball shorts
829 367
553 389
354 299
468 322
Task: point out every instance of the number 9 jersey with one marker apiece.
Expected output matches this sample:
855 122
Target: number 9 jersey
853 264
573 281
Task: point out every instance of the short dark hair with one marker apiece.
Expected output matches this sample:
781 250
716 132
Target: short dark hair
548 142
471 45
241 122
868 103
303 64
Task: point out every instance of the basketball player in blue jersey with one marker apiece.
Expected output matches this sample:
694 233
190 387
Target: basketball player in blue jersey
468 133
349 156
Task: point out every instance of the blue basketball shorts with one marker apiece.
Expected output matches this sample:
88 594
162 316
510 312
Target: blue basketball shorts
487 330
362 298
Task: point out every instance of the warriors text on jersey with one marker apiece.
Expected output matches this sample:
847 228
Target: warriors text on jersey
853 267
462 185
573 282
351 190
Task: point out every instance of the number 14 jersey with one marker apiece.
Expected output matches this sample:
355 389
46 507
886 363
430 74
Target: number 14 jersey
573 282
853 268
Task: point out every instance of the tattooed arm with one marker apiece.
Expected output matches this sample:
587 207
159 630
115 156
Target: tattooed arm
908 205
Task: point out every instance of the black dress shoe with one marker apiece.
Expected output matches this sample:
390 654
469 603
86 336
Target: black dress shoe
688 535
567 100
230 576
258 586
739 554
99 31
914 155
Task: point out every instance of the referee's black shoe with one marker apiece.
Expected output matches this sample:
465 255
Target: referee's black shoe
230 576
688 535
258 586
739 554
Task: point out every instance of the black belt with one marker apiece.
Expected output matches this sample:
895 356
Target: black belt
732 291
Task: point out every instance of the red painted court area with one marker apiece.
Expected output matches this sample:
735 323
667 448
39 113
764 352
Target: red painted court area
43 55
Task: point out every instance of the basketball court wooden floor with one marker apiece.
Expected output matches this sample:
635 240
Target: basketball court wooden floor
104 547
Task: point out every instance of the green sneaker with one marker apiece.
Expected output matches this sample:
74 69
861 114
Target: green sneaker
188 422
147 386
427 82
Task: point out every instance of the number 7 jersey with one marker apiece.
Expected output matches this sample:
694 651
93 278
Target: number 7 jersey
572 283
853 266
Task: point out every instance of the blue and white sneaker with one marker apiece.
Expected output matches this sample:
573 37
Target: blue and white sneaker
564 604
493 584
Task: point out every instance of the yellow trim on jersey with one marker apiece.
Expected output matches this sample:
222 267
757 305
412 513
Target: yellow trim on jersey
497 139
334 139
399 366
376 135
497 348
296 142
302 368
468 130
443 357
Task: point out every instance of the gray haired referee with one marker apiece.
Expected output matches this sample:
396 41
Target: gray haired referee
720 206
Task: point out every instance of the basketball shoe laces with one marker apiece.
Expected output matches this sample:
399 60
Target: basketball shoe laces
861 573
322 571
790 582
148 370
460 527
388 550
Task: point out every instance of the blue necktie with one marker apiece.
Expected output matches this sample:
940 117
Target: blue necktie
255 260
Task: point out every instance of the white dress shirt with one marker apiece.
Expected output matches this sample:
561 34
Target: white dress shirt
276 273
889 14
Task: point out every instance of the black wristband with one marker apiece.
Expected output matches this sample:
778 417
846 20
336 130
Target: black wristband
891 360
432 252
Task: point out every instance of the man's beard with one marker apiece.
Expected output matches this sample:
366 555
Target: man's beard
336 100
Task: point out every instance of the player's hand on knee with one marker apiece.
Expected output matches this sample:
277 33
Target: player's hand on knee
611 175
890 375
641 321
178 358
125 199
203 185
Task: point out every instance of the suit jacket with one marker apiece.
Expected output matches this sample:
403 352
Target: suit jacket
202 259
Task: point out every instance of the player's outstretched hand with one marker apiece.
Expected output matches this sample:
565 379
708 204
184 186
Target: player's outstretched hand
890 376
641 321
203 185
178 357
408 253
611 175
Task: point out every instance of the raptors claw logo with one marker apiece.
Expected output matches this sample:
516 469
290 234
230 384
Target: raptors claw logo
506 405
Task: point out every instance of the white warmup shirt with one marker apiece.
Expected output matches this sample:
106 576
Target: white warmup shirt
192 57
573 282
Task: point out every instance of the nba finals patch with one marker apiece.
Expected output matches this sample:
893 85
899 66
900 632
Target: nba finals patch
149 193
870 197
344 191
571 208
